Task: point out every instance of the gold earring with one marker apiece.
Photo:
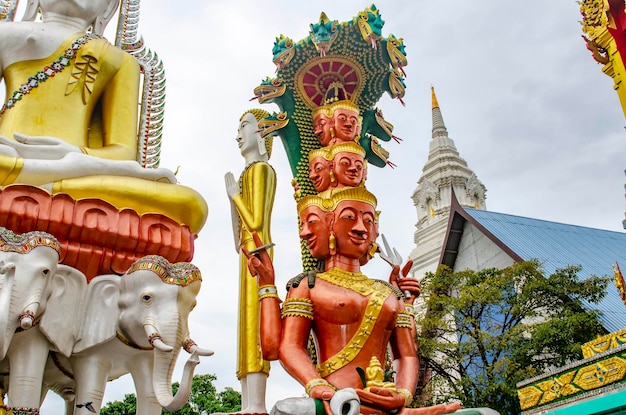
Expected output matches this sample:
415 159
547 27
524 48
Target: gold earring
332 243
332 132
332 176
373 250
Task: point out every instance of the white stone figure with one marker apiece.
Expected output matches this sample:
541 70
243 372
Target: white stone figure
344 402
39 304
137 324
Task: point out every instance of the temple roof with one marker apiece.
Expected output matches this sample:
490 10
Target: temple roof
556 245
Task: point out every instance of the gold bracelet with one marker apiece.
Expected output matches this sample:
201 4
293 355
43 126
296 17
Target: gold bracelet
316 382
268 291
409 309
408 396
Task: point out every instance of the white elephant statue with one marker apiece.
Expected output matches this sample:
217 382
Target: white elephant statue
40 301
137 324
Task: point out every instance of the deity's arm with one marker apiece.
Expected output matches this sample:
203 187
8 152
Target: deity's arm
256 213
120 107
260 266
406 362
297 323
270 327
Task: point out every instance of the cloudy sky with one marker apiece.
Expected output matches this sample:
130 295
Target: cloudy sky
527 106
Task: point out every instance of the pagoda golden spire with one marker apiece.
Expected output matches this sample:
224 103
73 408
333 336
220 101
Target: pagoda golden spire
435 103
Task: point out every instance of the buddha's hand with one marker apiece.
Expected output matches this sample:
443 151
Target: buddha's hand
39 147
7 149
232 188
382 398
260 263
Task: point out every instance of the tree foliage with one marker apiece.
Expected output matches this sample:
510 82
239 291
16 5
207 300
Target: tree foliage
484 331
203 400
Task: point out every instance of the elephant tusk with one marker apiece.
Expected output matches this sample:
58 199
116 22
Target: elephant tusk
155 338
157 342
27 319
191 347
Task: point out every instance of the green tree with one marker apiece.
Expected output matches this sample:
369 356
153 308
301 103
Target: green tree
125 407
484 331
203 400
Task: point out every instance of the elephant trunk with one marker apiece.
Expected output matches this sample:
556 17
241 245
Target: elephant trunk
7 324
164 363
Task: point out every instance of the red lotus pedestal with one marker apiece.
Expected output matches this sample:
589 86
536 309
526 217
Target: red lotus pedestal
96 238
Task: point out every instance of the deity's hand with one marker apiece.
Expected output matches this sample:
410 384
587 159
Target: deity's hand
409 286
322 392
260 263
40 147
382 398
232 187
393 258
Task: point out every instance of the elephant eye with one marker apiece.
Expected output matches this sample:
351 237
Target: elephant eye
146 297
45 272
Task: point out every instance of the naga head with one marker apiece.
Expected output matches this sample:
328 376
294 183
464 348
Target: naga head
269 90
395 84
283 51
272 123
370 24
396 53
323 33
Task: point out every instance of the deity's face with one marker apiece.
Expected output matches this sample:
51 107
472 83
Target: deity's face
248 136
355 228
319 173
346 124
321 128
348 168
315 231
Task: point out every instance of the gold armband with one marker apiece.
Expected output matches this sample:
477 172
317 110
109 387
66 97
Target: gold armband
297 307
316 382
268 291
403 320
409 309
408 396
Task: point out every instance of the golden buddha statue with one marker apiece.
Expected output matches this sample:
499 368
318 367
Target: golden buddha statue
69 121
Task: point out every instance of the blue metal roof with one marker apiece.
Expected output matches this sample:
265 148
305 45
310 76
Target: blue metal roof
558 245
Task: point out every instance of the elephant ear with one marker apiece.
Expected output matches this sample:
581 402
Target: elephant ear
60 321
99 318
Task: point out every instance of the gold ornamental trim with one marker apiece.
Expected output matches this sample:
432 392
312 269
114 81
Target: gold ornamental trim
578 381
604 343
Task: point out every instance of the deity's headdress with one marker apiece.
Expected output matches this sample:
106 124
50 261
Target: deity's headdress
320 152
337 98
329 199
348 147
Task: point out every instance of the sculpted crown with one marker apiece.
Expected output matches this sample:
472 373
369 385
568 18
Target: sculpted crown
25 242
347 147
329 199
320 152
180 273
